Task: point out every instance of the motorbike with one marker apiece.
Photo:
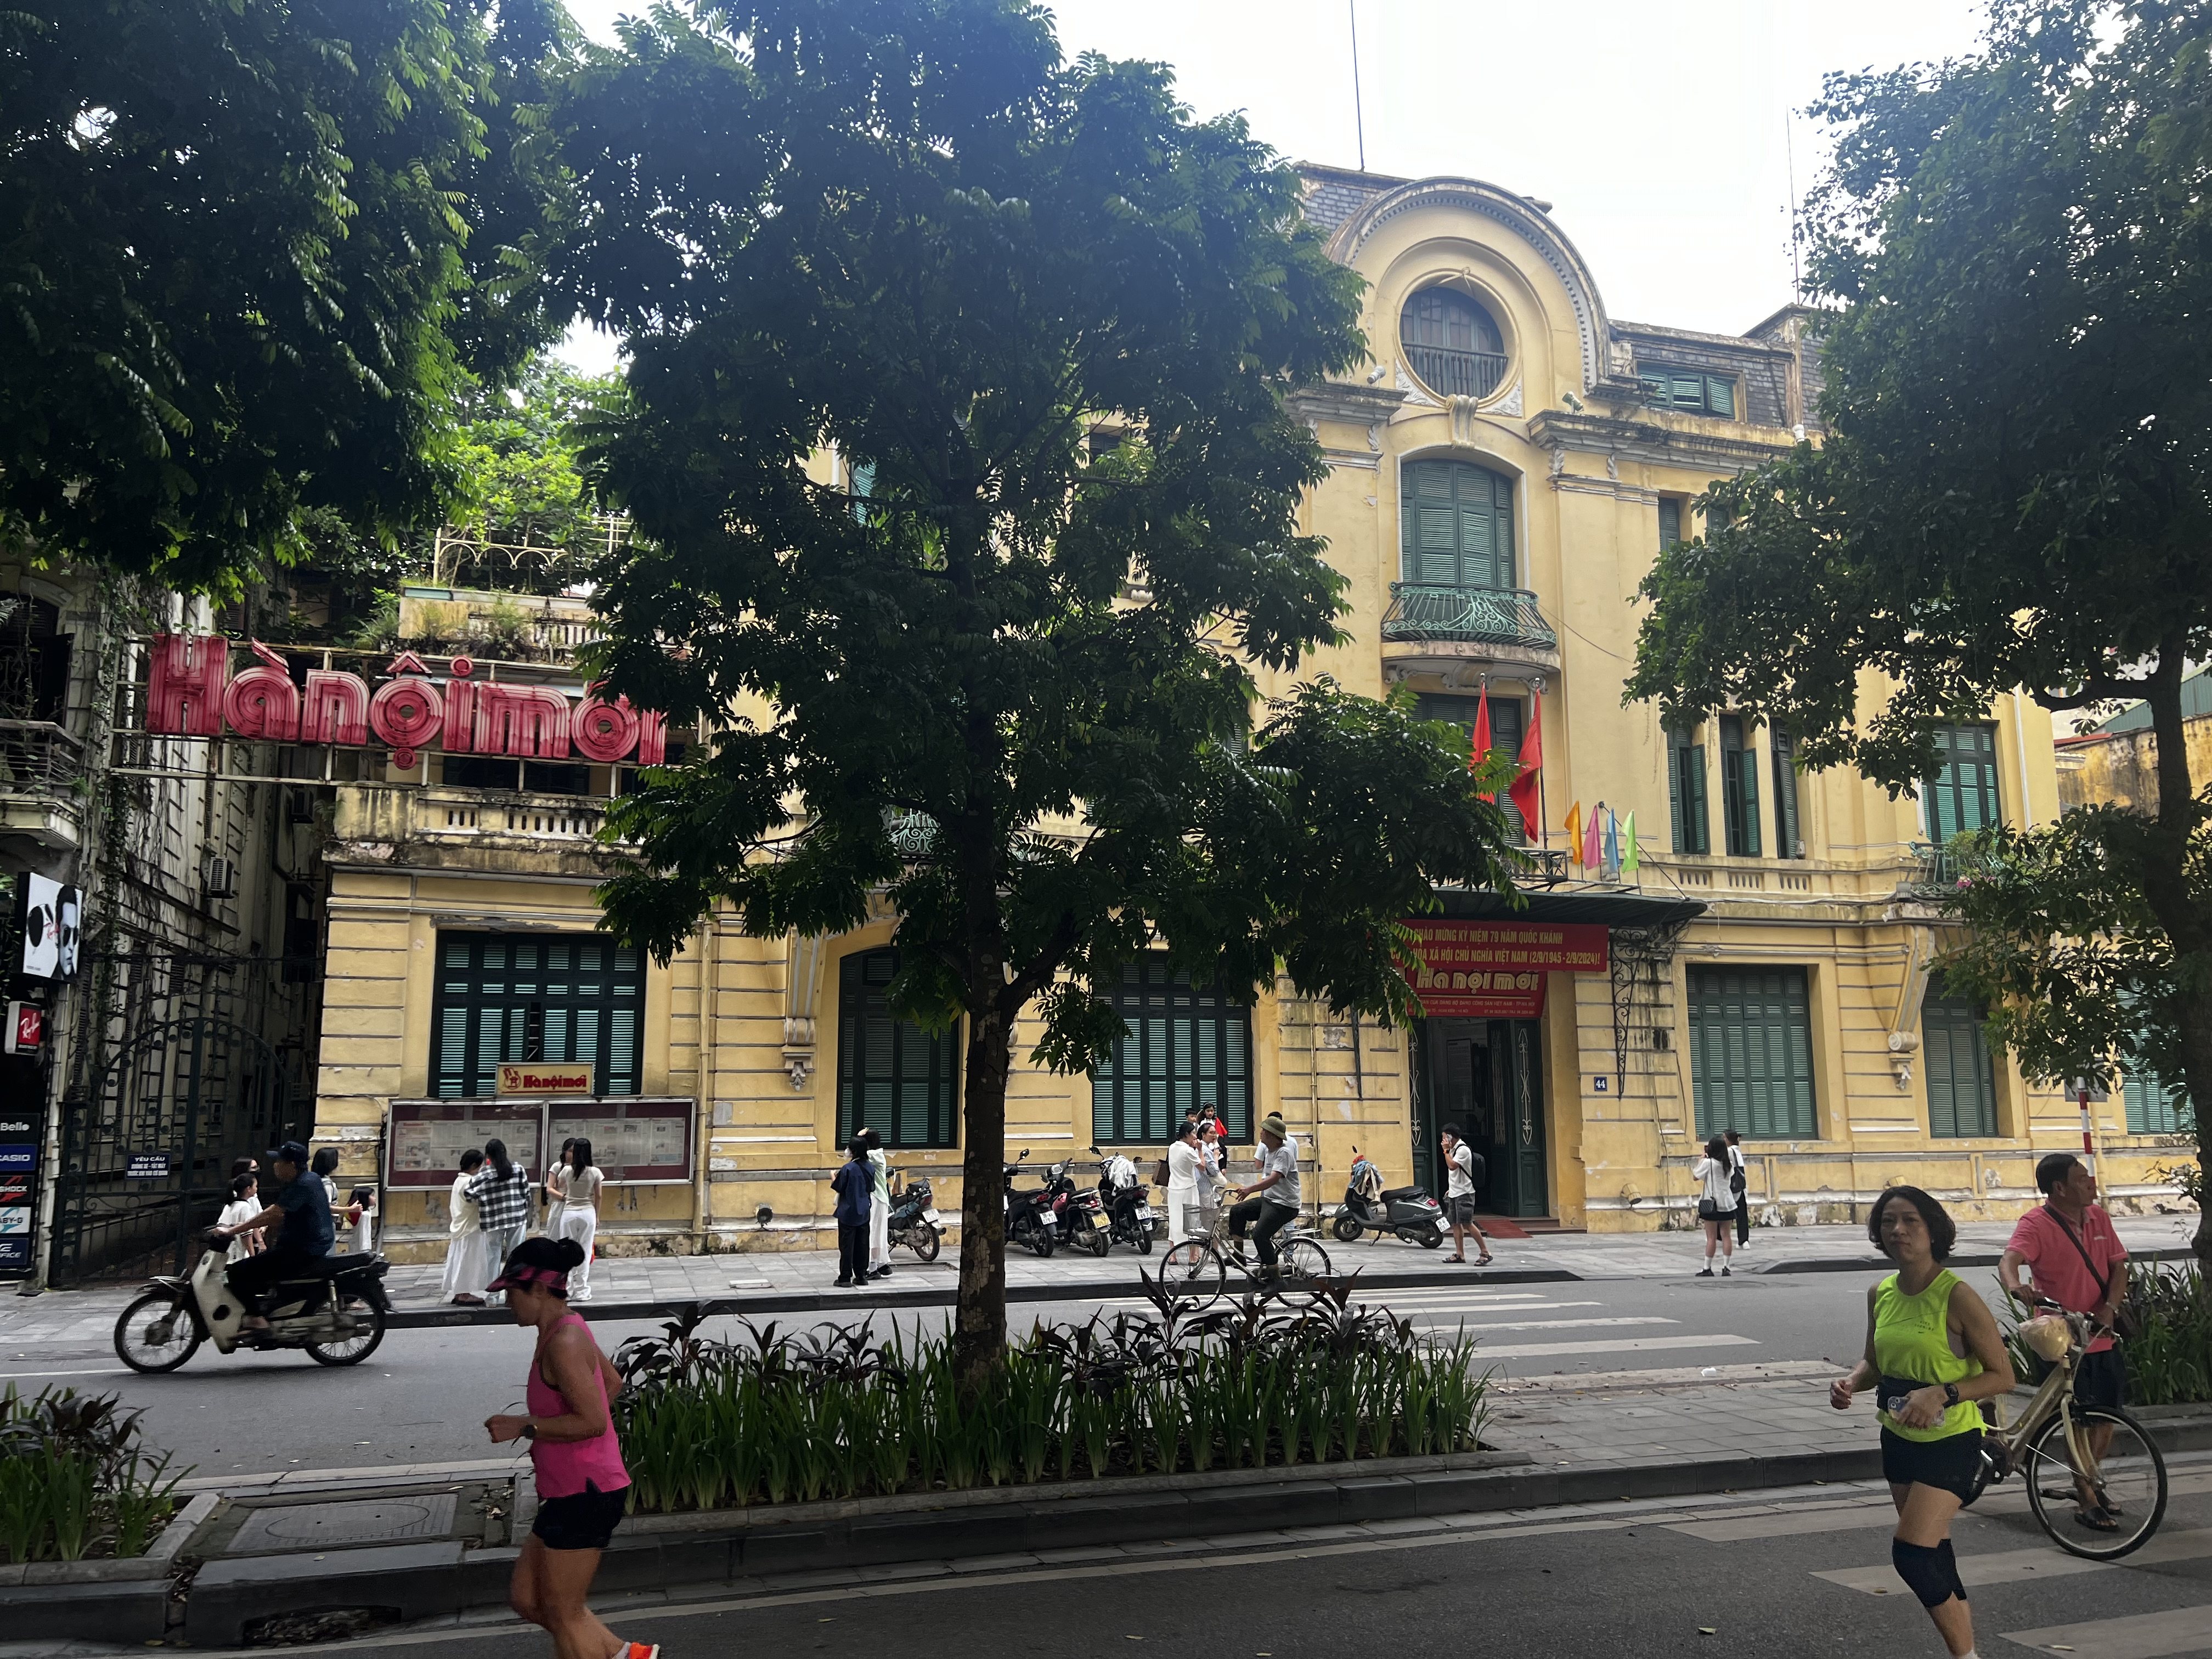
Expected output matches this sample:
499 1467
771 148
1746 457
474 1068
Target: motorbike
1082 1216
1406 1212
915 1221
1030 1219
335 1308
1126 1201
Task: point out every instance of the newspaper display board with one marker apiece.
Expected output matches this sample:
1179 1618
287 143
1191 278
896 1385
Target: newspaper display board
634 1141
428 1137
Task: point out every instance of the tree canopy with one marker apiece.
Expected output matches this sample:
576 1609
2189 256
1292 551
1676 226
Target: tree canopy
2016 251
250 252
994 654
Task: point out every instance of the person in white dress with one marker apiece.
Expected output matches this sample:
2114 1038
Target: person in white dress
243 1207
1716 1204
879 1206
466 1270
1190 1186
579 1212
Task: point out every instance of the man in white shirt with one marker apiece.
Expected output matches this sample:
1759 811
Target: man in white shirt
1459 1197
1270 1203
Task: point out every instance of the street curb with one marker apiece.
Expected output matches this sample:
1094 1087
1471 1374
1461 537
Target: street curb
1871 1263
893 1302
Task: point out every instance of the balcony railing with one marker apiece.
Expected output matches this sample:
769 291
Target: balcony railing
1457 374
38 757
1936 869
1434 612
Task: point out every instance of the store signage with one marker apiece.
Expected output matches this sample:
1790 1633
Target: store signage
15 1239
1496 970
19 1157
26 1029
147 1166
52 916
546 1077
191 692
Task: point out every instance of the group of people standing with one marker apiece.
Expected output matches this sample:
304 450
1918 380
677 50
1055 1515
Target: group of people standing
1723 1200
490 1211
862 1187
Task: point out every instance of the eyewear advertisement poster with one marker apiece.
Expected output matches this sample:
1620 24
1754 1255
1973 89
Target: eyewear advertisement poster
632 1140
51 917
19 1188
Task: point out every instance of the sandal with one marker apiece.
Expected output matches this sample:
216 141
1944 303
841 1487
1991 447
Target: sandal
2099 1521
1460 1259
1484 1260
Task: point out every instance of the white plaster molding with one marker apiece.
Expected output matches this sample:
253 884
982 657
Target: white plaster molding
1407 385
1510 403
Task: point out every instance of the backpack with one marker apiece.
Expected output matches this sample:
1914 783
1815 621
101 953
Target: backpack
1477 1169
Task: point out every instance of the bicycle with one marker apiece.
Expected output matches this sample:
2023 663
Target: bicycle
1197 1269
2051 1441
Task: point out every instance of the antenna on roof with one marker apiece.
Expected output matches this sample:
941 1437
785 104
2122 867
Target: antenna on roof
1789 163
1358 115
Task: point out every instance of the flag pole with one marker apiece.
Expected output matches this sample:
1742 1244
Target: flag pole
1543 811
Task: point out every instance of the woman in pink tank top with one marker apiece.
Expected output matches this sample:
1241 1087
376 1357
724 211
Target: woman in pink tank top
582 1487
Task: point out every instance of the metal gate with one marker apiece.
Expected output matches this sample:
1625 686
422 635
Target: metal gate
146 1154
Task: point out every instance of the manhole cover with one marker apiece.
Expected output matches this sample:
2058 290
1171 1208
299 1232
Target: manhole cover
324 1526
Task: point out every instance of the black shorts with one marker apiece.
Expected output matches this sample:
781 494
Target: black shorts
2100 1379
1952 1464
582 1521
1460 1211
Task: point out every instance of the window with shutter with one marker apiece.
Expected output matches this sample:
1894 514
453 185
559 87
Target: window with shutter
1670 522
1788 831
1451 343
1692 390
1739 789
892 1076
1686 790
1962 1090
500 998
2156 1107
1186 1047
1456 525
1963 793
1508 722
1751 1051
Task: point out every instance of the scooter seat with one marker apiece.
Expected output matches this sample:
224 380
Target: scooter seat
329 1267
1399 1194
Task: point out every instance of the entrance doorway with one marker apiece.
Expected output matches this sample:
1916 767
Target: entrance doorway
1485 1076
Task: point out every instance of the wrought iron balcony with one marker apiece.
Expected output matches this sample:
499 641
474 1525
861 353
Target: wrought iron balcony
38 757
1457 374
1437 613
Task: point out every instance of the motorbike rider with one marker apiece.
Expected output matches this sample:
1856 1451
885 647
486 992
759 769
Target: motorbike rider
300 1210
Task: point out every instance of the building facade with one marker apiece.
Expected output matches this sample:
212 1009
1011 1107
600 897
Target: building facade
1503 473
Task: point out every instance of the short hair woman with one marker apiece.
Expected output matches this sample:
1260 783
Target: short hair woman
582 1485
1933 1354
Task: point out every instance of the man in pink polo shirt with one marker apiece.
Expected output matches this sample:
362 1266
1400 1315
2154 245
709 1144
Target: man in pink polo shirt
2071 1247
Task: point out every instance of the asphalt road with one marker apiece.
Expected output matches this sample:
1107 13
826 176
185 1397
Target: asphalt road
422 1396
1705 1577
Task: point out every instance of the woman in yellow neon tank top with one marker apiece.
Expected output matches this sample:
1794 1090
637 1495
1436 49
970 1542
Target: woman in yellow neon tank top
1932 1353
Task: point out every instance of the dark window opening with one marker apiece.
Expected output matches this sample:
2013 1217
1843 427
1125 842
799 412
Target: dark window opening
482 772
1452 343
1186 1047
1739 789
556 778
1789 829
1670 523
501 998
893 1077
1508 722
1685 789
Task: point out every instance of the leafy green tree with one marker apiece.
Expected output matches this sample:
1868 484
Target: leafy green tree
999 667
2013 492
518 455
250 251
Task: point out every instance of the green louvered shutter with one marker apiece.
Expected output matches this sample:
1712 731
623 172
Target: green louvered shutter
1456 526
1788 835
1720 396
1962 1094
1670 523
502 998
1963 793
2156 1107
892 1076
1186 1046
1751 1051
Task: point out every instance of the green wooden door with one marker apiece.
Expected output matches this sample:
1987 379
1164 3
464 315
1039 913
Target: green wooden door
1962 1090
1457 525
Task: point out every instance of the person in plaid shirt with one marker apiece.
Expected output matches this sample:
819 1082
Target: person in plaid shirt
501 1190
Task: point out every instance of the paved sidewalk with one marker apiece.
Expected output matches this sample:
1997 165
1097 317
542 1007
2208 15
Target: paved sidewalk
641 1285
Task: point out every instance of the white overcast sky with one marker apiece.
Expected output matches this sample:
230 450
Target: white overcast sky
1655 127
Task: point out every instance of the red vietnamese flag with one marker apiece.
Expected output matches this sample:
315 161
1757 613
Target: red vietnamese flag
1478 751
1522 790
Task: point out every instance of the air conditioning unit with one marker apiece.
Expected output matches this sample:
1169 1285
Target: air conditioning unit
219 878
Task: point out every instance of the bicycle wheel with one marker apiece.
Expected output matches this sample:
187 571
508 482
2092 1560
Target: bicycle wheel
1191 1271
2129 1473
1305 1265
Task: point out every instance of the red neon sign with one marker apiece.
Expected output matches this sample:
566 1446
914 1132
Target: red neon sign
192 693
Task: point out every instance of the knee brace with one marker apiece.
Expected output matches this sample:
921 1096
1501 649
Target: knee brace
1951 1569
1925 1571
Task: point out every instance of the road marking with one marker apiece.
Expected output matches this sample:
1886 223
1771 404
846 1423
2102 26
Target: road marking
113 1371
2147 1636
2010 1566
1548 1324
1625 1344
1876 1512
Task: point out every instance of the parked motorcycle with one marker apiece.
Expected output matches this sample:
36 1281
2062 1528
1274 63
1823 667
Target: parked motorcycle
1126 1201
335 1308
1082 1216
914 1223
1406 1212
1030 1219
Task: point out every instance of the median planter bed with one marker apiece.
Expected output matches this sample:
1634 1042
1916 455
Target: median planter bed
121 1601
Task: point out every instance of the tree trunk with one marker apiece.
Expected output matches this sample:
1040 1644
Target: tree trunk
2184 915
979 1332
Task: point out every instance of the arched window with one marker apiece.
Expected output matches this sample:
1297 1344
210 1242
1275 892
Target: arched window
1451 344
1456 525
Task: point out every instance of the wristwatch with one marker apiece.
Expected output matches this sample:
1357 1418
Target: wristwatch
1950 1394
530 1429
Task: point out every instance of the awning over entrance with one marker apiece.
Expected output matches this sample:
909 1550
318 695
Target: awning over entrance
1598 906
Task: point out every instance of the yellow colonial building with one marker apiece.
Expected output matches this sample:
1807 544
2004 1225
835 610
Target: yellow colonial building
1502 473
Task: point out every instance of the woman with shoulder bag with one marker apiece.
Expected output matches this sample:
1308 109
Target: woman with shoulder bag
1716 1204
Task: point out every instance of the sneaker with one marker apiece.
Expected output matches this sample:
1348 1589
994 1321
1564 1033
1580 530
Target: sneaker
1705 1273
642 1651
845 1284
884 1272
1728 1273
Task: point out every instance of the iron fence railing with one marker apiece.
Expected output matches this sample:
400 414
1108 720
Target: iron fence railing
1457 374
38 757
1435 611
1936 868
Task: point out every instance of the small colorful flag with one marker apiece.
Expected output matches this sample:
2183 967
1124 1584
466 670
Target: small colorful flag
1573 826
1523 788
1631 860
1592 854
1612 845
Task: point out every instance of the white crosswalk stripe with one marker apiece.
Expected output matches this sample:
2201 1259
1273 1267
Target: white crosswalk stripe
2146 1636
1475 1329
1618 1345
2011 1566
